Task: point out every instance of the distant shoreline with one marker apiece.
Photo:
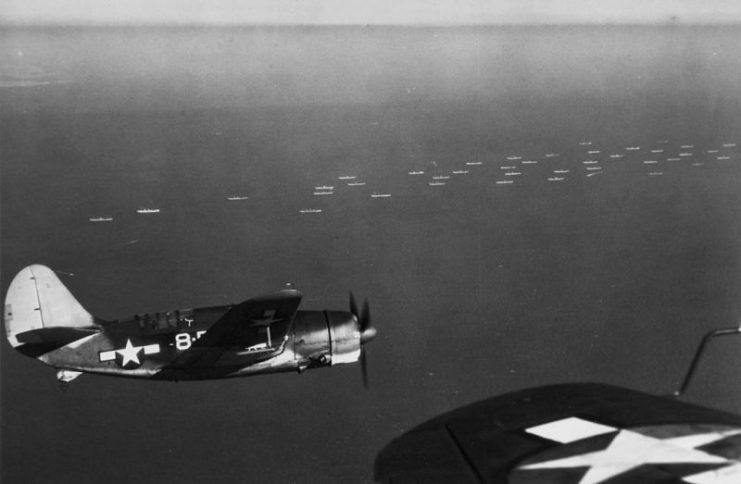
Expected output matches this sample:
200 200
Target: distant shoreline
257 26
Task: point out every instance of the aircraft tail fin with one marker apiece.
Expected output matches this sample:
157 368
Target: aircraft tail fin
39 309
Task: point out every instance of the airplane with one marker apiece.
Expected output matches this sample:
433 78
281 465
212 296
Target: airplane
266 334
584 433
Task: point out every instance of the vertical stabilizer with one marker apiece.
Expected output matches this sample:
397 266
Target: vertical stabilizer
37 300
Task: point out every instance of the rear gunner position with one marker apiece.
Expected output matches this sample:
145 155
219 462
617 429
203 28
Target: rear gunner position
266 334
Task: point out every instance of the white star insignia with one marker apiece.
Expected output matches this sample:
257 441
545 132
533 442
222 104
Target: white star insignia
629 450
130 353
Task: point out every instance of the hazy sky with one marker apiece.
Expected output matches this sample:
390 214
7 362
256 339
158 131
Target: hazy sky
424 12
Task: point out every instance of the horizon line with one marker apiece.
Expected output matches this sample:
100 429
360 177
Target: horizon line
669 23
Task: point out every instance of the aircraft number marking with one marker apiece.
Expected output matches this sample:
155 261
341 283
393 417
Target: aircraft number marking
183 341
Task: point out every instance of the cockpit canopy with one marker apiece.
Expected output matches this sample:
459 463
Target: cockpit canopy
181 319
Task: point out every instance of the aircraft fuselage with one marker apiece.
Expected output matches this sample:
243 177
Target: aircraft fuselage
155 346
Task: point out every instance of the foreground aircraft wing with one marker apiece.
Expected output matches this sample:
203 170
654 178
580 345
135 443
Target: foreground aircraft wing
573 433
260 322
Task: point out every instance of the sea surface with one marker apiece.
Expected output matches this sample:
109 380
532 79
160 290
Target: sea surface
559 273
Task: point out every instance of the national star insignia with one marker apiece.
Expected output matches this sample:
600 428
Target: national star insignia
630 449
130 353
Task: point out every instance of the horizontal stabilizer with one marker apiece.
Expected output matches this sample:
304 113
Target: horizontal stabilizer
62 336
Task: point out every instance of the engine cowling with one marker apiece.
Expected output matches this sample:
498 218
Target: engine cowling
344 334
326 338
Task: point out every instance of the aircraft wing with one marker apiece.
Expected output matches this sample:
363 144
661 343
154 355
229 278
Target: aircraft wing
259 323
573 433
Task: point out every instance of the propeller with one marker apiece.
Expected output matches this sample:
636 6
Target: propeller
364 368
353 305
367 333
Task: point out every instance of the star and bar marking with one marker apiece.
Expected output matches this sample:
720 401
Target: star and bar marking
630 449
130 353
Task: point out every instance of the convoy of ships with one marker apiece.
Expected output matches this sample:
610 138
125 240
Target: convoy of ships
585 161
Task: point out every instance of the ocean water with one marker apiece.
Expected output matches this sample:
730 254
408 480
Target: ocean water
476 287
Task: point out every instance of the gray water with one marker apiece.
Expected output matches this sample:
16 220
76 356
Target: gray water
477 288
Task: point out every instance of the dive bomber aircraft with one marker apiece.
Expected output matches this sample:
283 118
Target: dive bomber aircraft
266 334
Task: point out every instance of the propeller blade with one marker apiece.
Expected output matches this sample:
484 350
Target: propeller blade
364 368
365 316
353 305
